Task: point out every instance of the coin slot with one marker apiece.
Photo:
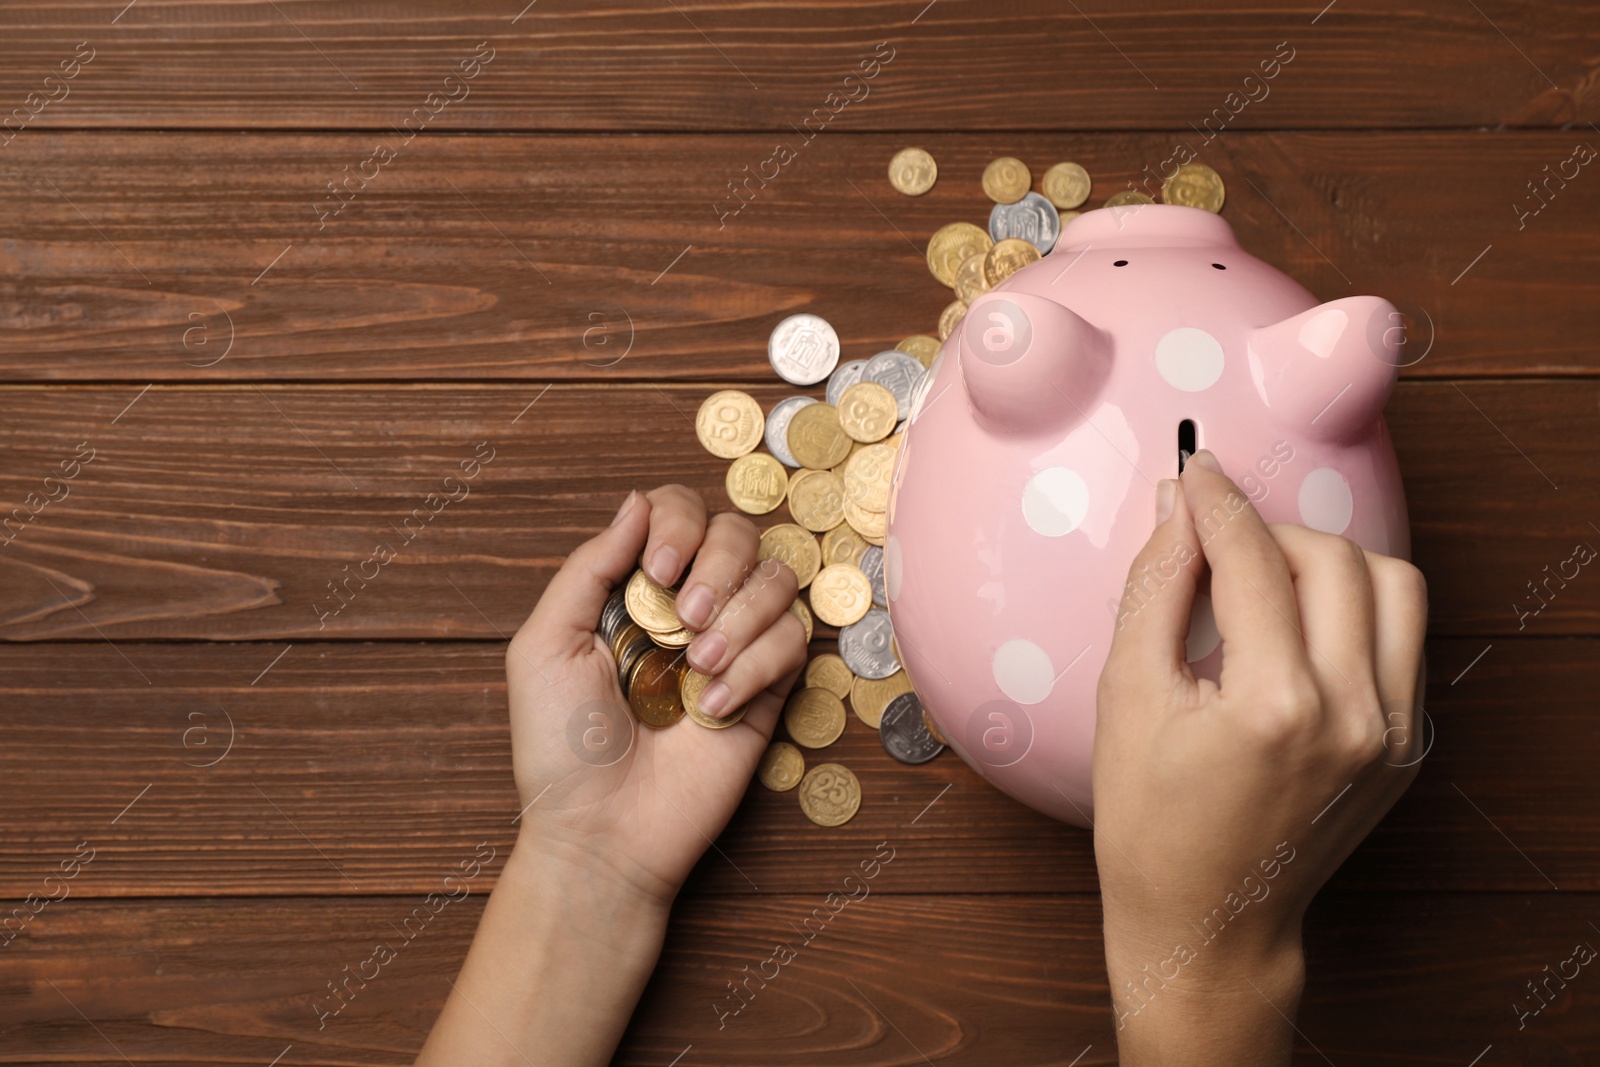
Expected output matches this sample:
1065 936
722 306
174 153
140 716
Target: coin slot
1186 442
1219 266
1120 263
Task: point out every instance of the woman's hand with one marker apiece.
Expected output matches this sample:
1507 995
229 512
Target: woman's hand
596 784
615 814
1221 808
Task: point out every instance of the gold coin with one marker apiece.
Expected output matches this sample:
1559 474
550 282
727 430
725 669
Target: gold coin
828 671
757 482
1006 258
838 468
922 346
840 594
869 696
1128 196
1194 185
871 525
794 546
816 500
927 722
814 717
913 171
843 545
653 688
653 607
867 475
1066 185
730 423
867 412
689 690
678 638
1006 180
951 244
816 438
781 767
970 282
950 318
799 610
830 794
1068 216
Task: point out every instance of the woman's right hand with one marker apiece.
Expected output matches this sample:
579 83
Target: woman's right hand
1221 808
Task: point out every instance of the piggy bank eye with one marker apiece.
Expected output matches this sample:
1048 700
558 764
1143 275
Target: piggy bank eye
1120 263
1219 266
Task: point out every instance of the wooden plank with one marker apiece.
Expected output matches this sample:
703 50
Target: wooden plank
368 768
243 512
197 257
632 65
886 981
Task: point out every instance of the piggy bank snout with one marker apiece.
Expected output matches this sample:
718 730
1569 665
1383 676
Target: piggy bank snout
1028 363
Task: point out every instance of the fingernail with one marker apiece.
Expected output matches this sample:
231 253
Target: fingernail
1166 492
664 565
705 652
626 504
694 606
713 697
1205 459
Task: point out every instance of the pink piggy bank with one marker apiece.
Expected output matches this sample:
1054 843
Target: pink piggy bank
1025 483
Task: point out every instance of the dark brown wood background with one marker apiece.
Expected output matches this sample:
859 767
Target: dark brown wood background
263 397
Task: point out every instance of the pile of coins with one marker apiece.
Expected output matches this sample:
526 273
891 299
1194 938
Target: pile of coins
1023 224
830 460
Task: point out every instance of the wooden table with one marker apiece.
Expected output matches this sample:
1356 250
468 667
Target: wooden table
274 340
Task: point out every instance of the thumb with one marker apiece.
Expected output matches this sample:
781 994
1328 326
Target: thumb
1153 617
564 620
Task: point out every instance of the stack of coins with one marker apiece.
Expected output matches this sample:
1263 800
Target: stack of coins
640 623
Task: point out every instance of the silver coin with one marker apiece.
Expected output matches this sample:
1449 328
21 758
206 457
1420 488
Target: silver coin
1033 218
864 646
899 372
903 733
803 349
846 375
872 566
637 649
778 427
615 613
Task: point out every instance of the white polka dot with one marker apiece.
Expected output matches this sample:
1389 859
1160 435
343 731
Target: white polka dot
1203 636
1325 501
1023 671
1189 359
1055 501
894 567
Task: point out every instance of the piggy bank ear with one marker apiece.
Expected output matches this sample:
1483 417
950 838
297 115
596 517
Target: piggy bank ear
1030 364
1327 372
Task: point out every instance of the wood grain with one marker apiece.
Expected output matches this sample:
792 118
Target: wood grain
886 981
202 257
243 512
632 65
370 768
